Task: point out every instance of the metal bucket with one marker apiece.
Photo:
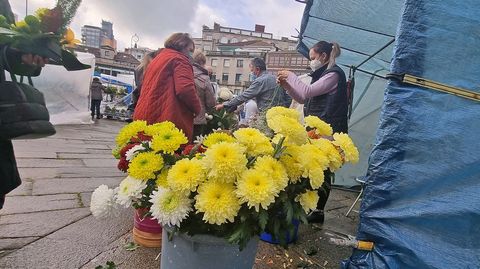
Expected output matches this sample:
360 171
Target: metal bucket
205 251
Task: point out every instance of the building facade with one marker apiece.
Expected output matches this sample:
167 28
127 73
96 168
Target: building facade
229 52
289 60
92 36
96 37
110 62
138 52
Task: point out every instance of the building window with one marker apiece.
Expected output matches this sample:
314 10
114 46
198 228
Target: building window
224 40
239 63
214 62
237 91
225 77
234 40
207 48
291 48
213 78
226 63
238 77
107 53
209 37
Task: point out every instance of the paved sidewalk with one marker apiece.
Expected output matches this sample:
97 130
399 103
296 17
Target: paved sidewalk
46 222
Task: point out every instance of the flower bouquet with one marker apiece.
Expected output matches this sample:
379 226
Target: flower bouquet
229 186
44 34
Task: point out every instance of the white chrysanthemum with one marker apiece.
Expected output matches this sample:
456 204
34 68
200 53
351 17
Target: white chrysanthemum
170 207
133 152
103 203
130 189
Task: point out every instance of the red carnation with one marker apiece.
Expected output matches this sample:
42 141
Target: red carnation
188 149
141 136
123 165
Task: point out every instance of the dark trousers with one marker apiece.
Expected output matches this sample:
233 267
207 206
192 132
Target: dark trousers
9 177
324 191
95 107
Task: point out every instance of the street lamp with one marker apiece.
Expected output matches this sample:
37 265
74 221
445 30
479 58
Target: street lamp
26 8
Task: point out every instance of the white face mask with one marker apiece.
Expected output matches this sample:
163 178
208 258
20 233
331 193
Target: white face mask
315 64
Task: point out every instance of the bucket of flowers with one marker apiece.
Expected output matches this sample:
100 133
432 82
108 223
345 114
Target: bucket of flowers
214 198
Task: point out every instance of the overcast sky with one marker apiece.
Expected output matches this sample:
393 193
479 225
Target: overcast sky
154 20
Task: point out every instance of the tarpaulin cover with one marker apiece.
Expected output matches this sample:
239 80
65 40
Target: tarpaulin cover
421 205
362 28
67 92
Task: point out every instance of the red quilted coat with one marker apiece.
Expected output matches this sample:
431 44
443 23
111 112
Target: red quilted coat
168 92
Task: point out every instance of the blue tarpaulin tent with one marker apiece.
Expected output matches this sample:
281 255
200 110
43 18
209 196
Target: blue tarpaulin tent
366 31
421 205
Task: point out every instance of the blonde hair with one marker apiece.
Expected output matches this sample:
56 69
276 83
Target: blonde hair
199 57
333 54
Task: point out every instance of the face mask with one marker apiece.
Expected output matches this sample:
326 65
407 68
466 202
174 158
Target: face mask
315 64
253 76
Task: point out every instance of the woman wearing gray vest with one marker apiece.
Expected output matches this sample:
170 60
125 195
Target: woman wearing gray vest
325 97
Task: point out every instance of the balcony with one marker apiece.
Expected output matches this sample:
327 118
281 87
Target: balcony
239 54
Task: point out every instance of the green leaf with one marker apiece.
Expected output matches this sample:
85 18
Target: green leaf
262 219
111 265
288 210
131 246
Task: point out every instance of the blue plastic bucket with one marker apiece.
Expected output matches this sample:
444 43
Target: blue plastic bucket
269 238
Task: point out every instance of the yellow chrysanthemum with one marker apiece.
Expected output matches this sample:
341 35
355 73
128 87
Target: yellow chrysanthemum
255 142
274 170
144 165
283 111
168 141
217 137
217 201
308 200
256 189
288 127
289 159
128 131
350 151
158 128
69 38
313 162
225 161
161 180
331 152
321 128
185 175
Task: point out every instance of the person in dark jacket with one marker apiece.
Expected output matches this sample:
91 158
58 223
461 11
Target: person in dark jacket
204 91
325 97
96 96
9 176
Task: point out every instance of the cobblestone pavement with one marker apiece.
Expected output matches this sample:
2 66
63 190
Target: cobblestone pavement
46 222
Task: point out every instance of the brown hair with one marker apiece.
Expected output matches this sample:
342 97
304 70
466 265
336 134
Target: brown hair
331 49
178 41
199 58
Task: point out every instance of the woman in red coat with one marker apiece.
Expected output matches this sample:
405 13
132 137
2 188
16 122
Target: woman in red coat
168 89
